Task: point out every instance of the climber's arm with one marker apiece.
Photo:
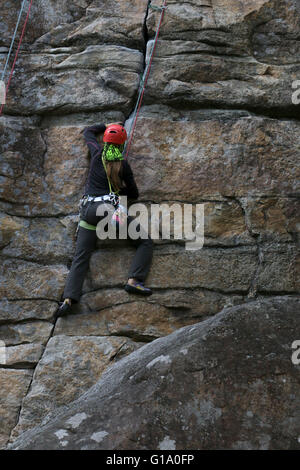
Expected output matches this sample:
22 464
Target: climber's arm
90 135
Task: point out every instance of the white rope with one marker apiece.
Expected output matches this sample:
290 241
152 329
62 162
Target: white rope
13 40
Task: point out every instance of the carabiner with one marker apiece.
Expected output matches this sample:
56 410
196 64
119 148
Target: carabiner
114 199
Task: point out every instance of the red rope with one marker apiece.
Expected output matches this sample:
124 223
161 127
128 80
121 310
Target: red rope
146 78
16 55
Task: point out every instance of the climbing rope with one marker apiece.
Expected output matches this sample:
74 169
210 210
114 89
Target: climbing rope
18 48
145 77
13 40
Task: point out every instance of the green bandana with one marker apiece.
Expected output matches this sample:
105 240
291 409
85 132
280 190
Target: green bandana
112 152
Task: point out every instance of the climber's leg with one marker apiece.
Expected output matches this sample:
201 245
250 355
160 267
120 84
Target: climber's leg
85 244
140 265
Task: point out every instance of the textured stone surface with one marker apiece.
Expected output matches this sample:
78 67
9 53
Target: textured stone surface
59 83
177 267
280 269
37 332
139 320
273 219
13 311
119 22
22 152
225 224
217 127
24 355
29 280
249 156
184 302
14 386
42 240
69 367
189 74
244 394
44 17
227 53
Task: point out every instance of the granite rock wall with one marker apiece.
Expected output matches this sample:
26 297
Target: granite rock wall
217 127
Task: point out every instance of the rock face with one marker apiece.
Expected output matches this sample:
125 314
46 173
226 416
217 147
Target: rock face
217 127
236 388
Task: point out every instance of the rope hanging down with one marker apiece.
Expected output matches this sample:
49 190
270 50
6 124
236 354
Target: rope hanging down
18 48
145 77
13 40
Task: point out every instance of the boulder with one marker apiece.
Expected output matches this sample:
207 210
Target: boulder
14 386
68 367
182 392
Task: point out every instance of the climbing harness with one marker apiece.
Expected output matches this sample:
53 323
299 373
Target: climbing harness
145 76
18 48
111 198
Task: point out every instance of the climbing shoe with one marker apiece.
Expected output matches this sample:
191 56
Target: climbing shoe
63 310
138 288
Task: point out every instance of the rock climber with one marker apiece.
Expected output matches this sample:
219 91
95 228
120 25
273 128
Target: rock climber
110 176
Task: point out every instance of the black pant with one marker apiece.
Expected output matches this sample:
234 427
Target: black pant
85 245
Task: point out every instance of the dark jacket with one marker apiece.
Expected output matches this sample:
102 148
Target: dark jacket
97 184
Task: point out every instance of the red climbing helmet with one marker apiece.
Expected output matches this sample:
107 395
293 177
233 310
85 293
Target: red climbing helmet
115 134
